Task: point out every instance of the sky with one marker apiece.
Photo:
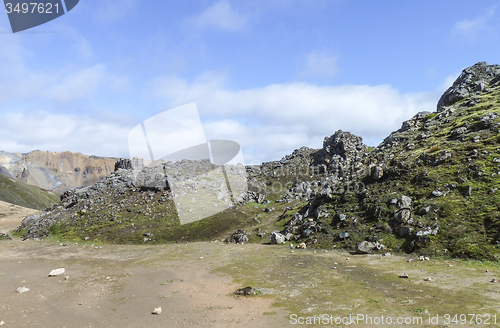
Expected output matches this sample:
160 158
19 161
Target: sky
271 75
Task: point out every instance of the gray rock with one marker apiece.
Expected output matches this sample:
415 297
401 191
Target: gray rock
343 235
402 216
5 236
424 210
404 202
486 121
458 132
238 237
437 193
21 290
365 247
377 172
277 238
345 145
472 79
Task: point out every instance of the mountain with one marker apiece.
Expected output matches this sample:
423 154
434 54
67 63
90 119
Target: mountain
58 171
19 193
431 187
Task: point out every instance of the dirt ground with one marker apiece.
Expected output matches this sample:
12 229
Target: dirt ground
194 284
118 286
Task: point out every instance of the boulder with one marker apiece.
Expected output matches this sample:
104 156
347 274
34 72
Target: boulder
458 132
57 272
365 247
277 238
238 237
245 291
402 215
5 236
404 202
377 172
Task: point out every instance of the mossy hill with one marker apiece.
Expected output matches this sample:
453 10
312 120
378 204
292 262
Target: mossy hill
19 193
432 187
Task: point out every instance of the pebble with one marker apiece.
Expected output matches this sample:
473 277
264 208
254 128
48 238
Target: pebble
157 311
56 272
21 290
2 323
403 275
428 279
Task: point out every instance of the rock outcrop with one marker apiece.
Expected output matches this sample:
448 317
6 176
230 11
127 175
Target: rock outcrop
472 80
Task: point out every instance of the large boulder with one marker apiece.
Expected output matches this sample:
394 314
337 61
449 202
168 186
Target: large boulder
277 238
472 79
238 237
365 247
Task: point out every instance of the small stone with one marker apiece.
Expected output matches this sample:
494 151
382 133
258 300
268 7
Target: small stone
494 280
21 290
56 272
157 311
302 245
428 279
245 291
2 323
403 275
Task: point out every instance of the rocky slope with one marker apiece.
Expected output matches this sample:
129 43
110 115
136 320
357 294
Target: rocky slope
430 187
57 172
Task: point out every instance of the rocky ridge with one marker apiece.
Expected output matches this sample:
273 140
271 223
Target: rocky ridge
430 187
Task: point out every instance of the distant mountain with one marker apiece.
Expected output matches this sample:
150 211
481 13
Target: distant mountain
19 193
58 171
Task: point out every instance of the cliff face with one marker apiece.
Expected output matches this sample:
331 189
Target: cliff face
58 171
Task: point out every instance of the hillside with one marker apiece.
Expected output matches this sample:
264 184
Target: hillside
430 187
22 194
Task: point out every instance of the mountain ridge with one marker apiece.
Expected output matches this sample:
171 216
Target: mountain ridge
55 171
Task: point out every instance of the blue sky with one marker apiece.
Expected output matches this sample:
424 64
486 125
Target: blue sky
272 75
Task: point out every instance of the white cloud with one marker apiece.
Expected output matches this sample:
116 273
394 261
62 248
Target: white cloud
220 15
471 29
77 85
272 121
319 65
27 131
